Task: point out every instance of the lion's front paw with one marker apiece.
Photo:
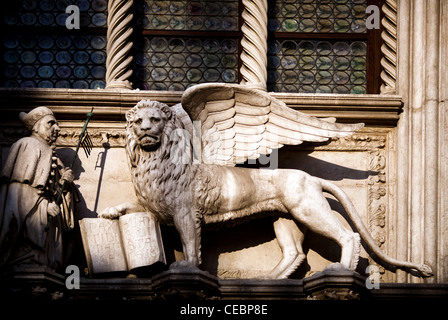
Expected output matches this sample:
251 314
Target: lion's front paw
110 213
425 270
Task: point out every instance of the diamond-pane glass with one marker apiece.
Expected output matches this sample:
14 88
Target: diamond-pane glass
203 15
176 63
334 16
317 66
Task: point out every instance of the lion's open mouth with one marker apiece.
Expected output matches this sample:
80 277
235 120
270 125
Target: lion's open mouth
149 141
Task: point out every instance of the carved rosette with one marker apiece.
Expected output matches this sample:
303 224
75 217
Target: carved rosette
254 43
389 47
119 32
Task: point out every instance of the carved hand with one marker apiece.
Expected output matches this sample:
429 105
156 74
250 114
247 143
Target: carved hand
68 176
53 209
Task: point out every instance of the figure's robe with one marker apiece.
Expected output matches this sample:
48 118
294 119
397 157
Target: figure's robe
29 182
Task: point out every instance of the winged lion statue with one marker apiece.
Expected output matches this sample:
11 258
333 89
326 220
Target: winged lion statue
188 188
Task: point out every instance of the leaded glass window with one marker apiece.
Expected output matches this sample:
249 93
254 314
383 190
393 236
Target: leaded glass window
314 46
317 66
176 63
39 51
204 15
322 47
183 43
36 13
54 61
332 16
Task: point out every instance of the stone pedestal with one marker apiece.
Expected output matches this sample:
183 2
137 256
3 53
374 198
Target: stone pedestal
336 285
185 283
32 283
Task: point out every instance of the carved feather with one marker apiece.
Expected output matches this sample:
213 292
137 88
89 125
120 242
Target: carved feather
240 123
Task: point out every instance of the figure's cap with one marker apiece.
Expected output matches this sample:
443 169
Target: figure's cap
29 119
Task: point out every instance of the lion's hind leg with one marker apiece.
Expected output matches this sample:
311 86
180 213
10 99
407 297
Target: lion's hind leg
314 212
290 238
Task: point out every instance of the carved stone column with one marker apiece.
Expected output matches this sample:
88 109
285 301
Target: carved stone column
443 147
118 45
254 43
421 188
389 47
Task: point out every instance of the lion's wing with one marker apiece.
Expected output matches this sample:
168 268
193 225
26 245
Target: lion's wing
239 123
183 117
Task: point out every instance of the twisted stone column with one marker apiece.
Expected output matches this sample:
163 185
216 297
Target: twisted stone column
254 43
389 47
118 46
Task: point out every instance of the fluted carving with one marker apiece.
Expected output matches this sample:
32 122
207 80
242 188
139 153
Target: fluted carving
254 43
389 47
119 32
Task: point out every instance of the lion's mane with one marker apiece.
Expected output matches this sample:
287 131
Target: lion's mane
158 180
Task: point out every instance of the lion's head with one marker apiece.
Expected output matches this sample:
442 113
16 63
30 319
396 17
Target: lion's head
149 126
146 123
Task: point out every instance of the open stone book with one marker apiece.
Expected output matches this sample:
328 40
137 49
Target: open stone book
132 241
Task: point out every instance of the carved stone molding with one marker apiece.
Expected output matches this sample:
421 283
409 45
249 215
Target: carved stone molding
377 200
358 142
372 109
389 47
69 137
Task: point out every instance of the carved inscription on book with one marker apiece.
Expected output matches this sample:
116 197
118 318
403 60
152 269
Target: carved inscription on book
132 241
141 239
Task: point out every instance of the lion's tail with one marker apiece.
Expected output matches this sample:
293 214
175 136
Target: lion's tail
423 269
